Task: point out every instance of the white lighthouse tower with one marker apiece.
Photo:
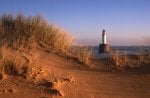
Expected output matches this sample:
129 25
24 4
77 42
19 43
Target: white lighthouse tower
104 47
104 38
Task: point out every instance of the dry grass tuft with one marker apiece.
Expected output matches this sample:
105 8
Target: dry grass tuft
84 54
29 32
13 64
129 60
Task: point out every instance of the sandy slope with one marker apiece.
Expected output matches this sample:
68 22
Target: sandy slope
74 81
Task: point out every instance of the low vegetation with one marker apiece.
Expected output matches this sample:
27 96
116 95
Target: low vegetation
14 64
29 32
129 61
84 54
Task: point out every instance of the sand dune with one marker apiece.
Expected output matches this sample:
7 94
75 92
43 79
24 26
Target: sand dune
58 77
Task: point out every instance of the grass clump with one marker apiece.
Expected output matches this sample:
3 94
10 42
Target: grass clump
84 54
15 64
129 61
29 32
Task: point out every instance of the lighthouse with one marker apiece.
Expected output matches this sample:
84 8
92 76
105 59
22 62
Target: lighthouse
104 37
103 46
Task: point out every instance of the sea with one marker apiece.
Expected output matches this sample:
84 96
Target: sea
121 50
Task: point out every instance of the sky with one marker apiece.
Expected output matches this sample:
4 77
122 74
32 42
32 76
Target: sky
127 22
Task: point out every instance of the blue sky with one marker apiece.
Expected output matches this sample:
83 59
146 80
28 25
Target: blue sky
127 22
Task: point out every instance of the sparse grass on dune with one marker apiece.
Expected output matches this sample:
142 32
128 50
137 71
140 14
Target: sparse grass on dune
20 36
14 64
29 32
84 54
130 60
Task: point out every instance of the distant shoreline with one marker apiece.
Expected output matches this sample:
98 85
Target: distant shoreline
121 50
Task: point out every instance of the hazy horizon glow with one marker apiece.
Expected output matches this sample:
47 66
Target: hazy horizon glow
127 22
